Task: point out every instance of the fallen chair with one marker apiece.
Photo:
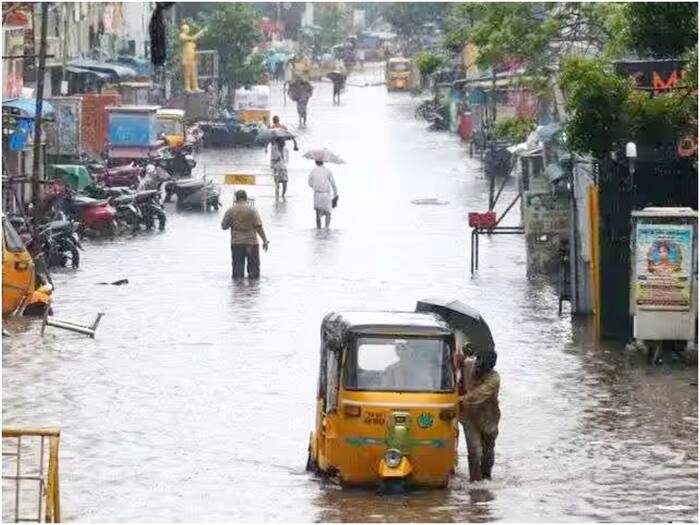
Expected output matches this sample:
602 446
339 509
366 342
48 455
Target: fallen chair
69 325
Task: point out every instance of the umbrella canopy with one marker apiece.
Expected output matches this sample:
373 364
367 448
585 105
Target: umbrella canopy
324 155
268 135
461 317
336 76
27 107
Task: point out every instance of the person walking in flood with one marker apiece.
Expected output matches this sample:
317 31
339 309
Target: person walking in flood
325 192
279 160
276 124
479 410
245 224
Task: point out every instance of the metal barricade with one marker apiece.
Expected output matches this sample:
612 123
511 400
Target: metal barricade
47 496
243 173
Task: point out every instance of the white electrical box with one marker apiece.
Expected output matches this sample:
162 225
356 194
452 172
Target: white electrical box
664 273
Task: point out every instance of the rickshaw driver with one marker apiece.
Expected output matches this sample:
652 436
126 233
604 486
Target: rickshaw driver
411 371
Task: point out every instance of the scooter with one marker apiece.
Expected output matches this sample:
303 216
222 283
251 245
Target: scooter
95 217
195 194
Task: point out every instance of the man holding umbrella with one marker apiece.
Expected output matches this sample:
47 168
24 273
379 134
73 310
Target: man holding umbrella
322 182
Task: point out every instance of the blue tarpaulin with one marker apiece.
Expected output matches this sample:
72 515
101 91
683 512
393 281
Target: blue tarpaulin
27 107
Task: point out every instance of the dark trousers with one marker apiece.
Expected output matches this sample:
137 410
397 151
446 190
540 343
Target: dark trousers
240 253
481 449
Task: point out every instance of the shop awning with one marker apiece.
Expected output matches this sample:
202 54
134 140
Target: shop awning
84 71
27 107
121 71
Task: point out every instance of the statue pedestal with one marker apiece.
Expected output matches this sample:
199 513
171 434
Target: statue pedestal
195 105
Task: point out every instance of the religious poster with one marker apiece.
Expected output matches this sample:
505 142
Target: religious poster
664 261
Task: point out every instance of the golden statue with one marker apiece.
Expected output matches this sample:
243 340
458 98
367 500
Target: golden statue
189 58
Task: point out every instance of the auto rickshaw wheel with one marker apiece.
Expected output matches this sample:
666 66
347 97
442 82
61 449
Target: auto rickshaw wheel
311 465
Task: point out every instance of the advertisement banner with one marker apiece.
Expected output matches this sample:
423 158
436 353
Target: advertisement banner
664 256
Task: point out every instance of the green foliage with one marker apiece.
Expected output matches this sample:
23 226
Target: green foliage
660 119
428 62
596 99
539 33
408 17
328 17
691 69
514 129
232 30
662 29
605 111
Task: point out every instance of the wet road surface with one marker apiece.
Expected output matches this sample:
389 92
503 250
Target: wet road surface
196 399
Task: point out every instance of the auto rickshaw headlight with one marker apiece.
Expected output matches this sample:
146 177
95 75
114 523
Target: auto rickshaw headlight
392 458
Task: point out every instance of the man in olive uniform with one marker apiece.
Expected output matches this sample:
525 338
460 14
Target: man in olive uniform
479 412
245 224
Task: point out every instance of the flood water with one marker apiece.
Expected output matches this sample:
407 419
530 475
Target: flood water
196 399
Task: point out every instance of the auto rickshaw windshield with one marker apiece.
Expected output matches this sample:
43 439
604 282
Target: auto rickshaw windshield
398 67
170 127
13 241
416 364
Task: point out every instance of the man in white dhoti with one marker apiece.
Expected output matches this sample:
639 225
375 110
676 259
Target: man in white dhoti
325 191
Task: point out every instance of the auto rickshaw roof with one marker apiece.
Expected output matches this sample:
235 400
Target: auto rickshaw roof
170 112
340 324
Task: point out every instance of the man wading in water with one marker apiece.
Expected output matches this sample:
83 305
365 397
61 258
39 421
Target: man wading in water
480 412
245 224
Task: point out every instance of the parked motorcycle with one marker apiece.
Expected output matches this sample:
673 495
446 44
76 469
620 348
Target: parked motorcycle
150 209
195 194
128 175
60 244
94 217
57 239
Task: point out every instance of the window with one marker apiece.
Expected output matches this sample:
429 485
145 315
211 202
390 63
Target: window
416 364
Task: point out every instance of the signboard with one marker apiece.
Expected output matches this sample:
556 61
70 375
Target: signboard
663 266
240 179
545 213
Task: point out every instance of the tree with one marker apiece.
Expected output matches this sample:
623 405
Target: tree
328 17
537 33
407 18
232 30
663 29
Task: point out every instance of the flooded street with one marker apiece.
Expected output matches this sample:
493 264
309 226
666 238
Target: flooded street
196 399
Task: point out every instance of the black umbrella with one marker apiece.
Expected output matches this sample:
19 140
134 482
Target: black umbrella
461 317
268 135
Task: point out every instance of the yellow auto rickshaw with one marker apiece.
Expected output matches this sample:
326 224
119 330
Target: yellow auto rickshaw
387 403
19 282
171 125
398 74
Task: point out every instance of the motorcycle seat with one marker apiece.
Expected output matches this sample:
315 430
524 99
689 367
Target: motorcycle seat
60 225
123 200
84 201
123 170
189 184
117 191
146 194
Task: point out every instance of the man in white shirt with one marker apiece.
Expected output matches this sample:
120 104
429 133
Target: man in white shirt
325 191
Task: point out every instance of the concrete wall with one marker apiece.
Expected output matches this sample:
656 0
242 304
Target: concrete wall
137 16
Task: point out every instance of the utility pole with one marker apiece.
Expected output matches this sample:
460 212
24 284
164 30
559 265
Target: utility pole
37 121
64 44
